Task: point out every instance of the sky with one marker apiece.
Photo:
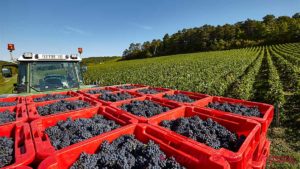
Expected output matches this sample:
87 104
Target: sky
107 27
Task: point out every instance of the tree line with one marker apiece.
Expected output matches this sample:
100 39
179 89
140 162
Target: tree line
98 60
271 30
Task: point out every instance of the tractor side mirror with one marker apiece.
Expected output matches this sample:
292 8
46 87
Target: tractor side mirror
6 72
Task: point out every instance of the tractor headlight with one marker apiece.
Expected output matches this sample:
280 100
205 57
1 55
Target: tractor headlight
27 55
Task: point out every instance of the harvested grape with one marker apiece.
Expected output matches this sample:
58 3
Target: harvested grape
113 97
179 98
149 91
236 108
144 108
61 106
207 131
6 151
49 97
126 152
7 116
69 132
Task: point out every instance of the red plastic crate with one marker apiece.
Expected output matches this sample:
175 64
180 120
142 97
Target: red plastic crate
42 142
260 147
106 103
262 161
136 86
266 109
241 126
184 153
174 107
159 89
19 100
29 99
198 97
21 113
24 148
33 113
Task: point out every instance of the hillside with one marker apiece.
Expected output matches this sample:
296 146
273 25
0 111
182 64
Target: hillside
99 60
2 63
6 84
14 70
269 74
247 33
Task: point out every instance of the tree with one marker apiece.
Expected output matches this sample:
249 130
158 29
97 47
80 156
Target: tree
296 15
268 19
271 30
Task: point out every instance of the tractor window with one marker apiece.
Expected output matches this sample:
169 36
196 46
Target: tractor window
54 75
22 73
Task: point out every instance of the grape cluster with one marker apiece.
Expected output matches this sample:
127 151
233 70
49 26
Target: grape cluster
51 97
98 91
6 151
126 87
69 132
61 106
179 97
7 116
6 104
113 97
207 131
148 91
236 108
126 152
144 108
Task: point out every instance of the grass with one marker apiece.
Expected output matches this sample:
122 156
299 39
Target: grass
284 148
209 72
7 85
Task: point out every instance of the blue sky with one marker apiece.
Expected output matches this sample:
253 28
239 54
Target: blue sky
107 27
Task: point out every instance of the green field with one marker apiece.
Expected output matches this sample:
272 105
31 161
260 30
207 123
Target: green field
269 74
7 85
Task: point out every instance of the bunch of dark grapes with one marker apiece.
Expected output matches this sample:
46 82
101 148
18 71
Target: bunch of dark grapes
6 104
113 97
98 91
69 132
179 98
207 131
6 151
148 91
126 152
236 108
7 116
126 87
61 106
144 108
49 97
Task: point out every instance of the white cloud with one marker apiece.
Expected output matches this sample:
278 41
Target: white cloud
70 29
145 27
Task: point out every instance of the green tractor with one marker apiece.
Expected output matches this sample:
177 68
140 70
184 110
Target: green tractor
45 73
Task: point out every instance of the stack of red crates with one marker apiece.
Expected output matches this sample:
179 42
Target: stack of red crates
19 131
29 134
252 154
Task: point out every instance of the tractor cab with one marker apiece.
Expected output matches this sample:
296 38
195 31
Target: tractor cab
48 72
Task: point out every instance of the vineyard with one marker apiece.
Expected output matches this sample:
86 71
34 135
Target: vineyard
269 74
